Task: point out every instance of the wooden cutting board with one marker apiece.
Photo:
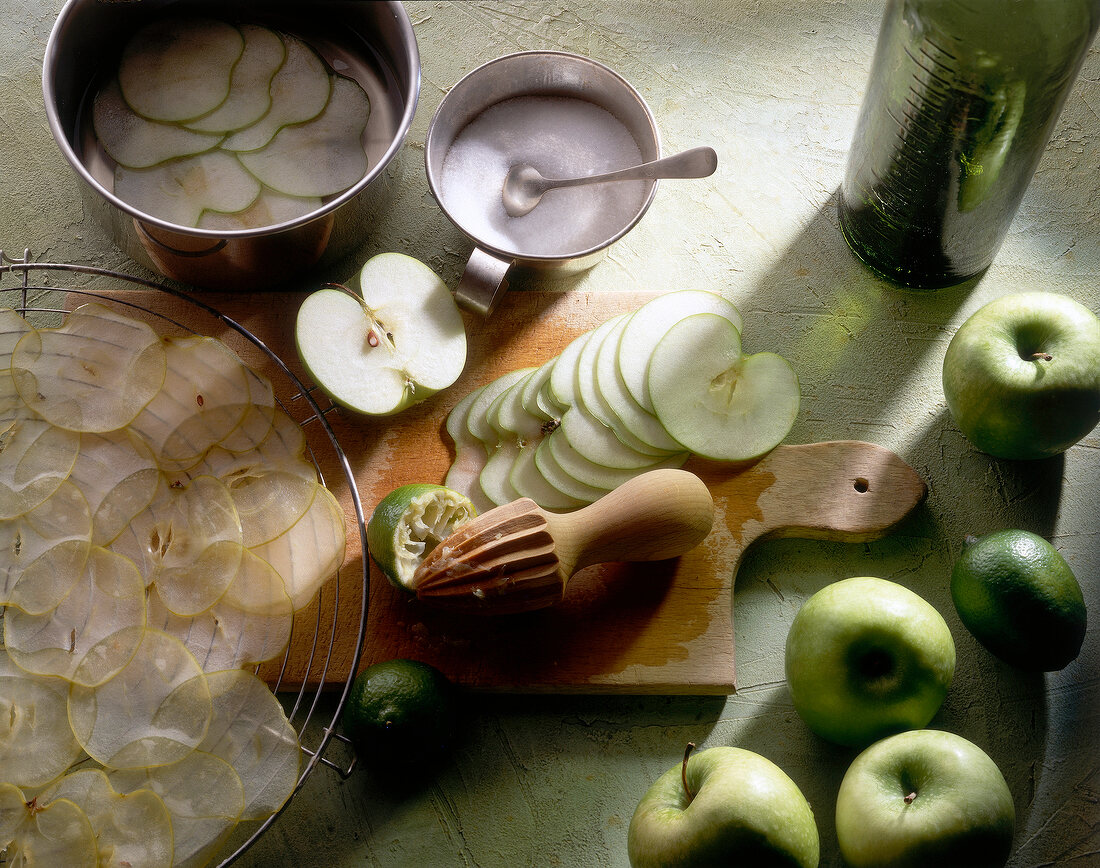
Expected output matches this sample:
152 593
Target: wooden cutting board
663 627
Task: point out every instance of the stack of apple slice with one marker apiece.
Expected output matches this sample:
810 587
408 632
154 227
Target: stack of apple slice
643 390
161 525
222 126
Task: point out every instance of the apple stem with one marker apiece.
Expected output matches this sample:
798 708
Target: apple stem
684 770
909 799
1046 357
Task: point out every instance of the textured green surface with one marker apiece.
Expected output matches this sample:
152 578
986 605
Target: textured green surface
775 88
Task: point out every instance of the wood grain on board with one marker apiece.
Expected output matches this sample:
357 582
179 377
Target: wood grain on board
662 627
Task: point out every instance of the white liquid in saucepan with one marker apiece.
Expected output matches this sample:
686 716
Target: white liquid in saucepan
562 137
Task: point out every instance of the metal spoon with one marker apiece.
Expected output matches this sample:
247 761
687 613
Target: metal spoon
524 184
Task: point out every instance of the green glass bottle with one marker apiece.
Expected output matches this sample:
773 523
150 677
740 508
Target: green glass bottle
961 101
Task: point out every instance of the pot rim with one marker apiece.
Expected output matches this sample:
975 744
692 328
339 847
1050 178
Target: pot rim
61 137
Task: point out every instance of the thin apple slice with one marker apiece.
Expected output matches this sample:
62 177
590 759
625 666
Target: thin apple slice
205 397
249 96
528 481
136 142
177 69
38 458
718 402
154 711
269 209
269 502
477 420
649 323
132 830
532 398
250 624
250 731
56 834
92 633
587 471
299 92
95 372
179 191
311 551
471 454
204 796
598 443
36 743
398 342
46 551
561 481
562 385
626 413
118 476
495 477
321 157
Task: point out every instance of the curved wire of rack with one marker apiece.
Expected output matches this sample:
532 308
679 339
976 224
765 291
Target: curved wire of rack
305 702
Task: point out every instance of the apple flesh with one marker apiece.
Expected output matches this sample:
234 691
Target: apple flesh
1022 375
866 658
723 806
397 342
924 798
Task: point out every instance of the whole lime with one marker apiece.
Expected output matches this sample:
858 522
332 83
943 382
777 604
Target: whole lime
1018 597
401 713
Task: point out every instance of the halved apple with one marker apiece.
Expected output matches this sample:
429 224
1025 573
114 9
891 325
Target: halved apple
715 400
396 343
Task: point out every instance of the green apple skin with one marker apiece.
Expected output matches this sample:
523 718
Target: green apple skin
1022 375
866 658
924 798
745 811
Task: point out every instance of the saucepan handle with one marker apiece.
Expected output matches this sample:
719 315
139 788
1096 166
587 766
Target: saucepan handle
483 282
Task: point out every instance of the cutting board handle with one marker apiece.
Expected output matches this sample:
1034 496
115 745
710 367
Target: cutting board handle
843 490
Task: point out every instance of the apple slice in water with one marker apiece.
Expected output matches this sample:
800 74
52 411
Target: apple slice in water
396 344
320 157
718 402
177 69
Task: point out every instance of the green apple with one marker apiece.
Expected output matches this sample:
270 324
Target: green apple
924 798
723 806
1022 375
397 342
866 658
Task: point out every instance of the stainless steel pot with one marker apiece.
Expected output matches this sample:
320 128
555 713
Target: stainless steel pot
373 41
525 74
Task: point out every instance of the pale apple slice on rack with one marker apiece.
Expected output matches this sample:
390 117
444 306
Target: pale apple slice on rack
311 551
118 476
92 633
56 834
250 624
178 68
283 449
132 830
204 796
136 142
320 157
299 92
154 711
258 420
38 458
249 96
250 731
46 550
188 542
37 743
649 323
717 401
95 372
269 502
204 398
179 191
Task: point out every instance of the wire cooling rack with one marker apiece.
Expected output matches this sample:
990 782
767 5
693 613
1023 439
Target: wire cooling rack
34 289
